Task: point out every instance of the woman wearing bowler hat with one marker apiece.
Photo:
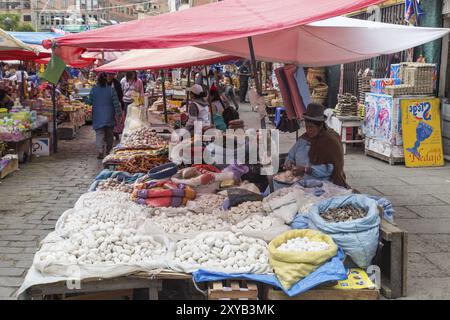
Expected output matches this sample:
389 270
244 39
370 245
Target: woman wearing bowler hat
318 153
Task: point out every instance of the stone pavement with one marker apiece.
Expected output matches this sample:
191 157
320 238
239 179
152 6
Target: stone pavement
32 199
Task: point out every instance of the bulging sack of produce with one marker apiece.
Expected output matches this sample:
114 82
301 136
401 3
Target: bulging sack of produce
292 262
357 237
283 203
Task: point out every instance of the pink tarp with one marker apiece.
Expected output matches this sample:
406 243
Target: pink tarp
331 41
164 58
221 21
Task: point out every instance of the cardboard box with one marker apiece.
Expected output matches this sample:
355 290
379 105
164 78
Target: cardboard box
41 146
378 85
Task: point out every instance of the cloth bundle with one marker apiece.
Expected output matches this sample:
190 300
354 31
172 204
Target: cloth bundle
203 174
163 194
120 175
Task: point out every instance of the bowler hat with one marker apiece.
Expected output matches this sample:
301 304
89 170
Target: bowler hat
314 112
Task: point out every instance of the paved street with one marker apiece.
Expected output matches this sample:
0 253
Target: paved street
32 199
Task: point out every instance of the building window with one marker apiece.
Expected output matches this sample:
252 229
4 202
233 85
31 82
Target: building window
27 18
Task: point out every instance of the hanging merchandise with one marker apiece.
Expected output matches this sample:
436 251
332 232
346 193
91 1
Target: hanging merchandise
302 86
297 100
285 93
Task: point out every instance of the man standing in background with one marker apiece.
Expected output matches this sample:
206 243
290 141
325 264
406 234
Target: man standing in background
244 74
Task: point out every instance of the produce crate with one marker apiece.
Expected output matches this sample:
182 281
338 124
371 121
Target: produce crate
393 260
232 290
66 131
12 166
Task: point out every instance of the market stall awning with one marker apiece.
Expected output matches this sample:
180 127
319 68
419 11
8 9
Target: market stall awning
9 43
331 41
147 59
34 37
220 21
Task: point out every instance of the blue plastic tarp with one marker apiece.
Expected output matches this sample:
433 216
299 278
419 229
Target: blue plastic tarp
333 270
34 37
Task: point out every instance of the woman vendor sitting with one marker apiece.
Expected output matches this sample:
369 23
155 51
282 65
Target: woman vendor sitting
318 154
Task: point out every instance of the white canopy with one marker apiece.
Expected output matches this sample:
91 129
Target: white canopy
331 41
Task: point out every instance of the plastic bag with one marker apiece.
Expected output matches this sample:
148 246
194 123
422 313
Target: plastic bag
292 266
358 238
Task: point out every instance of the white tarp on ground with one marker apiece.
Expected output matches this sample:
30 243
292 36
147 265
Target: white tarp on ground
331 41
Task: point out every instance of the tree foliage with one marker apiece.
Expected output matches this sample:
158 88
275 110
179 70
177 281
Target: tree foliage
11 22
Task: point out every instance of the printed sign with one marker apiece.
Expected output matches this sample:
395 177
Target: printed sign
422 138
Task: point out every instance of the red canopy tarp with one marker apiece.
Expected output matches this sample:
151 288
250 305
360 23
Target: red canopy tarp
221 21
147 59
22 55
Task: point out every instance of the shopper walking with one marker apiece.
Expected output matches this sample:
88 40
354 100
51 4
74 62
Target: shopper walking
105 106
119 121
244 75
229 91
131 86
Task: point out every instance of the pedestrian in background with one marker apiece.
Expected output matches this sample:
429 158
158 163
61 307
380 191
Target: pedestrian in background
131 85
244 75
105 106
119 120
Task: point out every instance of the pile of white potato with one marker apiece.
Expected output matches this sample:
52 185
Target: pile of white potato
111 184
189 222
98 198
206 203
144 137
106 217
242 211
223 250
121 246
257 222
303 244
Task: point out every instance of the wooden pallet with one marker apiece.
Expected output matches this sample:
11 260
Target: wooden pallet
232 290
326 293
126 294
393 260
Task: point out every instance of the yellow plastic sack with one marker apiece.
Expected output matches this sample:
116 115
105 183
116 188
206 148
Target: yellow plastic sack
290 266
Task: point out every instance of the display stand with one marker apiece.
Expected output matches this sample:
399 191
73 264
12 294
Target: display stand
349 122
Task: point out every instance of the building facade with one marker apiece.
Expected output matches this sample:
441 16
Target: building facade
80 15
